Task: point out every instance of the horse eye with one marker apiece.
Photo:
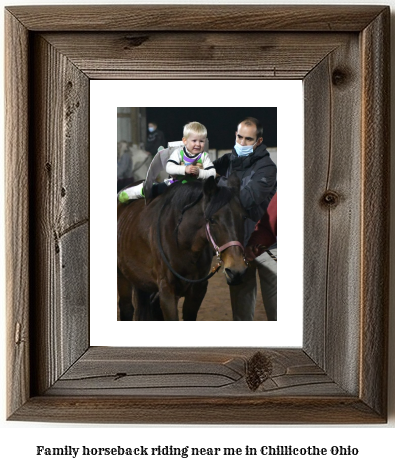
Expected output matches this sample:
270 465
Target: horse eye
245 217
211 220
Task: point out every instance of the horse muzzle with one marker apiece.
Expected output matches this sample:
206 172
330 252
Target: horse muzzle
234 277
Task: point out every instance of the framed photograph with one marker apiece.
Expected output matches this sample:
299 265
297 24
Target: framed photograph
339 374
279 106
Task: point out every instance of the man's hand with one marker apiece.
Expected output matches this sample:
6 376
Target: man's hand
253 251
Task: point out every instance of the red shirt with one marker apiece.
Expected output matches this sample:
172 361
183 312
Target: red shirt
265 232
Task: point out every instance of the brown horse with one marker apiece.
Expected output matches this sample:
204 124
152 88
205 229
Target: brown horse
171 231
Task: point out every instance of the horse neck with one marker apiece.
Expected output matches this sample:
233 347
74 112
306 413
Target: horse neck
191 231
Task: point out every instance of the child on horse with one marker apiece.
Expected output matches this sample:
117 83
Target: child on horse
185 164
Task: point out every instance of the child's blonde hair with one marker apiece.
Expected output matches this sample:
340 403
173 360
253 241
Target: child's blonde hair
195 127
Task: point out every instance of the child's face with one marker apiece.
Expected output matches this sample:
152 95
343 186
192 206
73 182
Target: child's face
194 143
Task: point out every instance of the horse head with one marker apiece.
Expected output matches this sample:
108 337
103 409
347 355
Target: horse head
225 218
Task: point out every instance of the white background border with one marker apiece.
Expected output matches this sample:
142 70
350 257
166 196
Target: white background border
106 96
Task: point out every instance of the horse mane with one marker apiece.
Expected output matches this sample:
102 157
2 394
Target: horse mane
220 198
185 196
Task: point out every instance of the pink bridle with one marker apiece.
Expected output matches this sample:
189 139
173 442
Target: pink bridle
220 249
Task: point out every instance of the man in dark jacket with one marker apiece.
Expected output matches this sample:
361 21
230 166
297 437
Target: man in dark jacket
258 176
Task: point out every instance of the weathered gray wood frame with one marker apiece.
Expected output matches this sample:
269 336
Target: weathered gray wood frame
340 374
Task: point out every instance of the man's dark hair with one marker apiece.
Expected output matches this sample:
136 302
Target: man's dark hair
153 122
251 121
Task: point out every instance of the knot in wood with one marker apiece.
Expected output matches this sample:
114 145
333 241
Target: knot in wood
120 375
135 41
259 369
340 77
330 199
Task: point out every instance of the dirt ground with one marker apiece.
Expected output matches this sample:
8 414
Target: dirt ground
216 305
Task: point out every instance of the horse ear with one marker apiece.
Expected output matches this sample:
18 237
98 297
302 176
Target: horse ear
210 187
234 183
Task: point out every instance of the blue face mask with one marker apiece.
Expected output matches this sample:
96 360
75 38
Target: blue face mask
243 150
151 129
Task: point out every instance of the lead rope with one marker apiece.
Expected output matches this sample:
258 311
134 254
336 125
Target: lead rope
268 252
271 255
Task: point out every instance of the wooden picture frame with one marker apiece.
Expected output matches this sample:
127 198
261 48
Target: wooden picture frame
340 373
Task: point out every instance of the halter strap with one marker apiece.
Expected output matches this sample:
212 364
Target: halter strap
217 248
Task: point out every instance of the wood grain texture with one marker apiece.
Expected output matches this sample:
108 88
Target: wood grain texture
198 410
181 55
316 226
17 213
332 213
134 385
196 17
375 211
339 376
203 372
60 179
